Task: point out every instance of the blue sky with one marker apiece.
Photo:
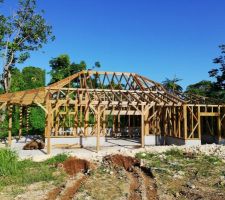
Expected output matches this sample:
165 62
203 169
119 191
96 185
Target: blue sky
155 38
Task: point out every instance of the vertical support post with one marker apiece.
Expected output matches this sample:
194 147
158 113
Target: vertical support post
199 123
179 121
81 118
142 127
86 120
147 122
104 124
27 120
76 118
20 121
219 124
98 129
48 123
10 125
114 125
185 121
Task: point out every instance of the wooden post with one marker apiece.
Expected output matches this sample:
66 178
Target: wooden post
81 119
114 126
147 122
98 129
10 125
142 127
199 123
185 121
86 121
76 118
20 121
57 120
27 120
219 124
48 124
104 124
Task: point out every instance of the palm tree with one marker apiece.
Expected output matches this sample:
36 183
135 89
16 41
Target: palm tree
171 85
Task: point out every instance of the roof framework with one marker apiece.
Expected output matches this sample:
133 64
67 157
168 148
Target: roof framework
115 93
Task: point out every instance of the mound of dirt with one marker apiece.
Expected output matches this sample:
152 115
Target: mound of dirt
74 165
127 162
34 144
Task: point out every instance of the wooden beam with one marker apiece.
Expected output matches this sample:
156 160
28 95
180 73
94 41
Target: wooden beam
98 129
142 128
10 107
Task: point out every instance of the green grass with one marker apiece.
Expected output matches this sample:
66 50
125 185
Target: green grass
200 168
57 159
25 172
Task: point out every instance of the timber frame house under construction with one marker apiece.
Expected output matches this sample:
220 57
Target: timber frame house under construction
162 117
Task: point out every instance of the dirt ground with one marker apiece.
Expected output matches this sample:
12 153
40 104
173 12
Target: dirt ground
117 177
168 176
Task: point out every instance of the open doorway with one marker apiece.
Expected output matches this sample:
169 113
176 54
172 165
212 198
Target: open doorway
209 129
125 130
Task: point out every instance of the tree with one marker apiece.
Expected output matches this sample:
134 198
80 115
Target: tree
171 85
33 77
219 73
29 78
62 67
24 31
202 88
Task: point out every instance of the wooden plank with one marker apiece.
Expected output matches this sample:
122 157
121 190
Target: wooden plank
208 114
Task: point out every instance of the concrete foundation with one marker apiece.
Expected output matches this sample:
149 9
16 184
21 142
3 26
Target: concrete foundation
83 141
152 140
179 141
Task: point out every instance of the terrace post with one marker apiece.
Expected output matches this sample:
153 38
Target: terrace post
10 125
142 127
98 129
185 121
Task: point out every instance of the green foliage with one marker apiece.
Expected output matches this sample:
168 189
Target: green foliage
24 31
172 86
175 153
57 159
219 73
37 120
62 67
29 78
202 88
33 77
8 162
17 82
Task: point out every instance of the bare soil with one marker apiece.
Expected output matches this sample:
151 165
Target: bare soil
117 177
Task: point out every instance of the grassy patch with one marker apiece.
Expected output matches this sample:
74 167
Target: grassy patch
57 159
25 172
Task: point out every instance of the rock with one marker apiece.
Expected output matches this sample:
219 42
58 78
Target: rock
177 194
190 185
181 173
177 176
